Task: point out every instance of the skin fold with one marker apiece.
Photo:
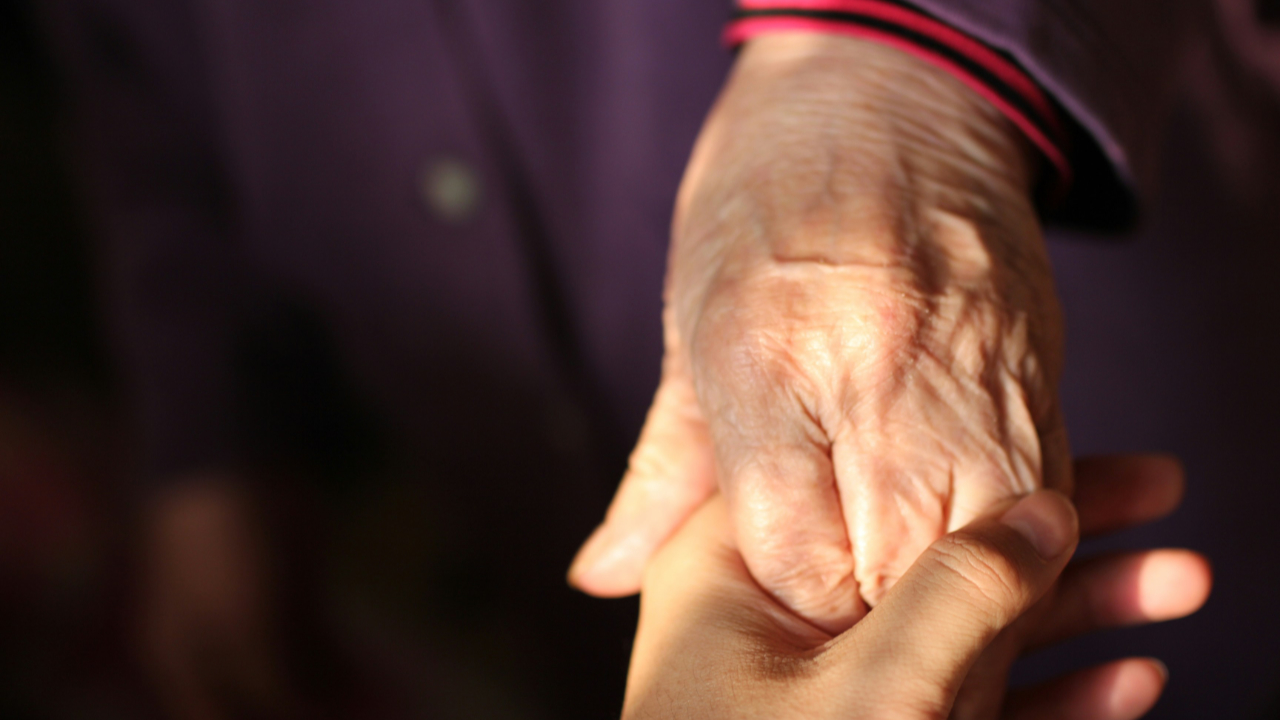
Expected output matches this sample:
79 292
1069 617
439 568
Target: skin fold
863 339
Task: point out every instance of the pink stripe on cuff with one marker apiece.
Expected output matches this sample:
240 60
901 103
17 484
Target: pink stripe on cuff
742 30
945 34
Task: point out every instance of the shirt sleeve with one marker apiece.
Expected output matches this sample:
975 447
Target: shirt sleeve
1090 82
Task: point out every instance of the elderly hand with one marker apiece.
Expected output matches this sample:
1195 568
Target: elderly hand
712 644
862 335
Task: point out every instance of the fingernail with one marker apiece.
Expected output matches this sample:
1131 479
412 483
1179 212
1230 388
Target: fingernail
1164 669
1044 519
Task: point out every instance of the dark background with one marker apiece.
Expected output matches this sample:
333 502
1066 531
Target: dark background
69 509
60 509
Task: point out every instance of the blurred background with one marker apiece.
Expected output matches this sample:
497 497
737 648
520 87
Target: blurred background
61 512
376 610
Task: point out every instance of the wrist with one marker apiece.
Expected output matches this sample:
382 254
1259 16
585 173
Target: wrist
839 152
838 122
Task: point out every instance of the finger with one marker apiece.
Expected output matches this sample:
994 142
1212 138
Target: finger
1114 492
781 492
671 473
1120 690
963 591
1124 589
1038 457
892 510
1055 456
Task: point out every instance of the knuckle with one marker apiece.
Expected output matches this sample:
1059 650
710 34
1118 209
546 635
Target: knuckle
650 463
814 581
982 575
808 326
817 585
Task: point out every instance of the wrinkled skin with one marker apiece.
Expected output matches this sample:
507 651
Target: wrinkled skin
862 335
712 644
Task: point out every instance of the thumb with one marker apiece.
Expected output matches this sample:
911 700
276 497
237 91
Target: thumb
670 474
965 589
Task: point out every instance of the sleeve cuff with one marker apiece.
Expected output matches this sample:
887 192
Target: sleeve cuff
992 74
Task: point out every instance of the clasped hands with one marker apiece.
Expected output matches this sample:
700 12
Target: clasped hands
713 644
863 345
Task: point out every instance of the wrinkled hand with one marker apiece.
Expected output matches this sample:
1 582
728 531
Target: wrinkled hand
712 644
862 335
